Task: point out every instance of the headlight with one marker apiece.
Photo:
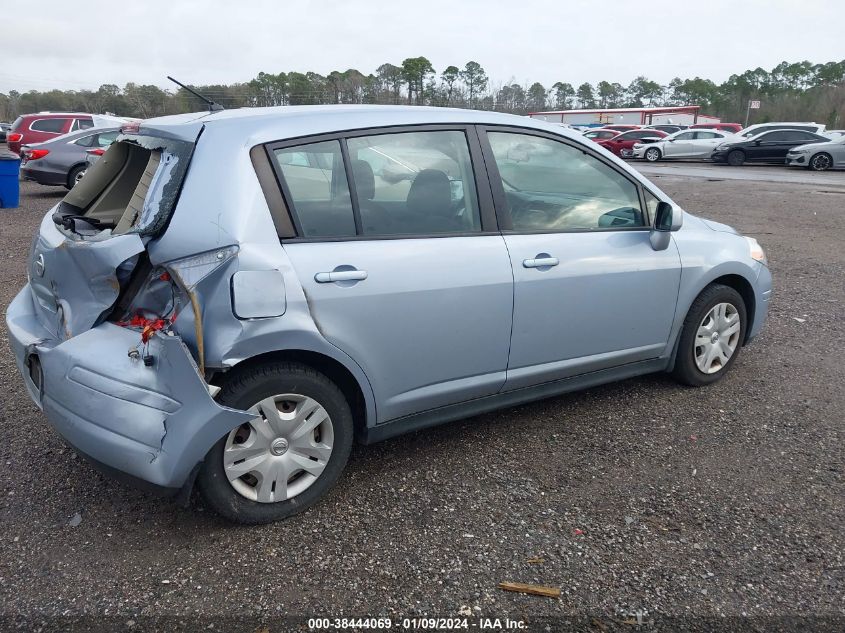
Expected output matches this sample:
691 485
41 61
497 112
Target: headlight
756 251
799 150
723 146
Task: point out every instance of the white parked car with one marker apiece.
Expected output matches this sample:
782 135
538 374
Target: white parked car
759 128
684 144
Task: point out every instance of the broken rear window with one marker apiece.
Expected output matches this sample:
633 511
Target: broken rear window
133 186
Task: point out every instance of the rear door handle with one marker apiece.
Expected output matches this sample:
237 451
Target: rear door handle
340 275
541 262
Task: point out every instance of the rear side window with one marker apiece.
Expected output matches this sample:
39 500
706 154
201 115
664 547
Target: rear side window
318 189
82 124
552 186
48 125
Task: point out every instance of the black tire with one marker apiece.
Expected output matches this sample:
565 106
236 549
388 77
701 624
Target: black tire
243 391
73 174
820 162
652 151
686 371
736 158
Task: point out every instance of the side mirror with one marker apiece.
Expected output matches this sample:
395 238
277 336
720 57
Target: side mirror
671 140
757 142
660 232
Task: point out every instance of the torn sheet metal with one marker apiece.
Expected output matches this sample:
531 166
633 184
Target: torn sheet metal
155 423
76 281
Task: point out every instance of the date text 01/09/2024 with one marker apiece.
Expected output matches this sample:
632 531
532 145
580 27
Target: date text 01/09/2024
417 623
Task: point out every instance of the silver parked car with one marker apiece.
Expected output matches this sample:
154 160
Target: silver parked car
818 156
63 160
698 144
230 299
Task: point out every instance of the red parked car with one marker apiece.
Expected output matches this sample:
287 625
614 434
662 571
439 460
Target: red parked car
36 128
621 127
732 128
600 134
623 144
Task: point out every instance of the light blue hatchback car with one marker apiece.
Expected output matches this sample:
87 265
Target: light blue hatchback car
230 299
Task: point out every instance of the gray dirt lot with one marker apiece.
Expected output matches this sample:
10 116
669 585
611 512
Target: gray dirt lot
638 495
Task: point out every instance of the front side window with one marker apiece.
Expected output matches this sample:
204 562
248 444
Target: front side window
708 135
319 192
552 186
48 125
83 124
686 136
414 183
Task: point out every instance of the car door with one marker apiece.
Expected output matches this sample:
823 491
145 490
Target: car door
680 146
770 146
704 143
401 262
590 292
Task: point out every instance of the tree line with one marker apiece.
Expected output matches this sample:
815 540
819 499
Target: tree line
790 91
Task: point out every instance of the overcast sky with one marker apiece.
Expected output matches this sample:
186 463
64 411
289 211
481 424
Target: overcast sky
53 44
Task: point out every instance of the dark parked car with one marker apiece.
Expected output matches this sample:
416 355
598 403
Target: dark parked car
768 147
63 160
4 128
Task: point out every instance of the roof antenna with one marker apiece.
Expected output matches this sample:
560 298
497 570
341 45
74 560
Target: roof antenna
212 106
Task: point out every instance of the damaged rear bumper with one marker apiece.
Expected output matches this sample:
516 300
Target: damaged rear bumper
154 424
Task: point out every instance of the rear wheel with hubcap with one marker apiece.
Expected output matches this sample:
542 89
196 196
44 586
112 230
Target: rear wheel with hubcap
75 176
288 455
711 337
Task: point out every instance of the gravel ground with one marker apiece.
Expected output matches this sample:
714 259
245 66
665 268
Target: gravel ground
637 496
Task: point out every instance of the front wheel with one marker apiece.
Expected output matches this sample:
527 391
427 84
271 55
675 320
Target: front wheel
711 337
821 162
736 158
285 458
652 154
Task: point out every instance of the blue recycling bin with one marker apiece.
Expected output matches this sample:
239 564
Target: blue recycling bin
10 187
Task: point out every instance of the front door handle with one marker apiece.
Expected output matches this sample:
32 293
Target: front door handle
541 261
340 275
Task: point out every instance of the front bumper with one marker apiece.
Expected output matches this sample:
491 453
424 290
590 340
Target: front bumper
154 424
719 157
762 296
796 160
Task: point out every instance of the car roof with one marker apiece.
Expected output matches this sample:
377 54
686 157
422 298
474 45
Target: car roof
43 115
284 122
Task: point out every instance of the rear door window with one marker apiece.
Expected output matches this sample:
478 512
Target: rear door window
414 183
317 188
48 125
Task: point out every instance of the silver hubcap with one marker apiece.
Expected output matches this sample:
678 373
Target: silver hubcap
282 451
652 154
78 177
717 338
